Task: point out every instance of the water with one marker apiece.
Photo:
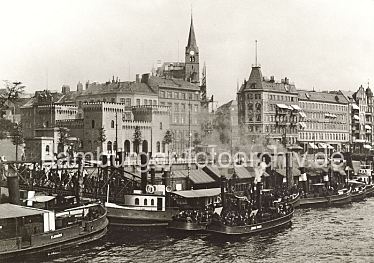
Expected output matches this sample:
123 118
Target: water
316 235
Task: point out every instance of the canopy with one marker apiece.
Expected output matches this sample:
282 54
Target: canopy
356 117
322 145
283 106
13 211
313 146
367 127
199 193
302 114
355 107
367 146
296 107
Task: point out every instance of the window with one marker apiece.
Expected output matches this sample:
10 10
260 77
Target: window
162 94
112 124
47 149
196 96
183 96
160 125
155 102
128 102
145 102
183 107
145 201
176 95
196 108
150 102
176 107
93 124
136 201
113 100
169 94
152 202
122 100
137 102
190 96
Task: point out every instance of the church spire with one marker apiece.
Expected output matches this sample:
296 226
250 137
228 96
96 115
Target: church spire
191 36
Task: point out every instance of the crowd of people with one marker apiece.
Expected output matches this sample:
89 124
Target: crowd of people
194 215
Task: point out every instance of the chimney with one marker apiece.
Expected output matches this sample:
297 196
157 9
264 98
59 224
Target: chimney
87 84
286 80
79 87
137 78
145 78
65 89
272 79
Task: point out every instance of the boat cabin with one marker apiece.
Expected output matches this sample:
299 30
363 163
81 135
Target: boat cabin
153 200
197 198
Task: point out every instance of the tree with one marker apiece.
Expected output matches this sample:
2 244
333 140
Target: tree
17 137
137 139
168 138
196 139
63 135
102 136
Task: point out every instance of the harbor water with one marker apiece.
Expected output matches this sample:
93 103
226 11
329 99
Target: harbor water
317 235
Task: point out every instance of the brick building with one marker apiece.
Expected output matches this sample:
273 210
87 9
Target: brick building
268 109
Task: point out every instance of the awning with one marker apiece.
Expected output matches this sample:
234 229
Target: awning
283 106
302 124
296 107
313 146
243 172
329 146
367 146
41 198
199 193
356 117
197 176
355 107
367 127
13 211
302 114
322 145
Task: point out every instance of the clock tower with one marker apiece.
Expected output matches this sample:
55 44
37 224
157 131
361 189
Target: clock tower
192 57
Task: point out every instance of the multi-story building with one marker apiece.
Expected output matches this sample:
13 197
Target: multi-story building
268 109
362 111
327 120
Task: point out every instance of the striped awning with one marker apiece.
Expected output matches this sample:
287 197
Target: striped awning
283 106
322 145
296 107
302 114
302 124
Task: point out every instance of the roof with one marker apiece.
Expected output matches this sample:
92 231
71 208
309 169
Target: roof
191 36
13 211
199 193
244 172
117 87
197 176
322 96
173 83
256 81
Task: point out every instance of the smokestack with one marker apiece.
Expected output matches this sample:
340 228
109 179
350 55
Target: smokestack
223 186
145 78
143 168
166 177
13 187
153 175
137 78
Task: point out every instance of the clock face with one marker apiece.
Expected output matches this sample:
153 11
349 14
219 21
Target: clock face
192 52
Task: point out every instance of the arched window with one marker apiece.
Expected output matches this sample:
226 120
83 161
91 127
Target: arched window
136 201
112 124
93 124
115 146
47 149
109 146
158 147
145 202
163 147
127 146
152 202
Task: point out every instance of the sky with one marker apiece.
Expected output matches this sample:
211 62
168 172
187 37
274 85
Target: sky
320 44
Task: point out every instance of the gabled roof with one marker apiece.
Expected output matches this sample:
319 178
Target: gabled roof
14 211
197 176
322 96
118 87
156 82
256 81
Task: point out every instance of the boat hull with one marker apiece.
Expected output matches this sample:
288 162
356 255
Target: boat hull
369 190
218 228
358 197
186 226
129 218
295 202
47 242
326 201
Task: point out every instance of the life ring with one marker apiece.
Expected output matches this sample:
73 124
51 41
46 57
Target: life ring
150 189
168 189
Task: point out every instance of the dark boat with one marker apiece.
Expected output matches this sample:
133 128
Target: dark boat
369 188
141 211
358 191
197 208
27 230
342 197
218 227
293 200
243 215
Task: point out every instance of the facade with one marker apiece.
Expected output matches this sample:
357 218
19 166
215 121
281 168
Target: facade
268 109
327 121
